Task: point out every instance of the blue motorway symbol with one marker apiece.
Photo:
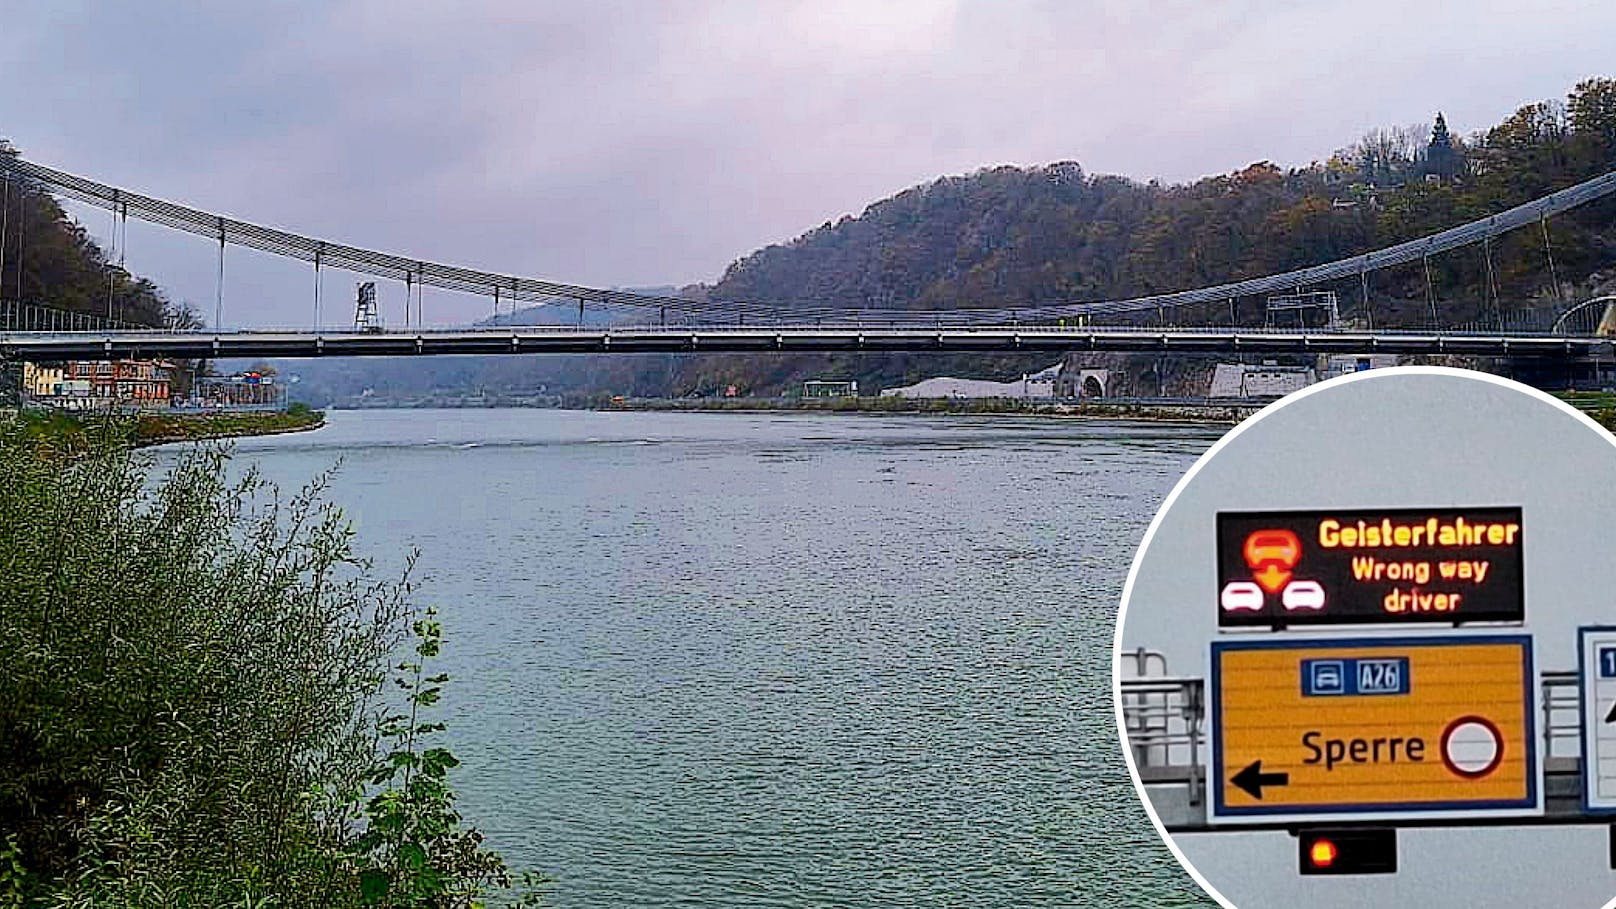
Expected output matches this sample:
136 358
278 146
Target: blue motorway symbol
1607 662
1327 677
1358 676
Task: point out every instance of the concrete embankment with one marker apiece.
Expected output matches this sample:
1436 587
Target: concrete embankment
1187 410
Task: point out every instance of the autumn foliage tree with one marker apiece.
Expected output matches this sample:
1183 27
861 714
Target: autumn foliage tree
50 260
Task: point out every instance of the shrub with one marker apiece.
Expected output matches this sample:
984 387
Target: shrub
190 701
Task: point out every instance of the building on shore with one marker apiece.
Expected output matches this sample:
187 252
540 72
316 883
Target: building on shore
1270 380
43 380
143 385
1240 380
1342 364
243 391
92 384
827 388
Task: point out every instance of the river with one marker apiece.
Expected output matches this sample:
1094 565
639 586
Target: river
776 660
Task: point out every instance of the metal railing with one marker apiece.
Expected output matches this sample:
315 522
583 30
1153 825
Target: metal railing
19 316
1164 717
42 320
1562 715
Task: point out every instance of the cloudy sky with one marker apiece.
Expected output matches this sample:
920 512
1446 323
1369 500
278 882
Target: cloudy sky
638 143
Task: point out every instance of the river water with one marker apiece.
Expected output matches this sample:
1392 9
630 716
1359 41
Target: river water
776 660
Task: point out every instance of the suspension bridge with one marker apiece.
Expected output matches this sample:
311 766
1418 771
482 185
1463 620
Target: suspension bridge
1168 323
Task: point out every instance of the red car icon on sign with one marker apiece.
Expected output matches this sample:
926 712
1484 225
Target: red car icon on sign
1273 547
1271 554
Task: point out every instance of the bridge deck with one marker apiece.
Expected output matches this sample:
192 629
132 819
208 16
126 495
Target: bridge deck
47 346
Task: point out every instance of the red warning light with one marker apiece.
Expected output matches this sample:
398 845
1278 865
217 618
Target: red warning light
1348 851
1271 554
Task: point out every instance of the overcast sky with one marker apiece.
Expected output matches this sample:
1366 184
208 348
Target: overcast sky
617 143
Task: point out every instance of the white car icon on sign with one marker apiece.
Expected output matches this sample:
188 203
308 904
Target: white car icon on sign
1241 596
1299 595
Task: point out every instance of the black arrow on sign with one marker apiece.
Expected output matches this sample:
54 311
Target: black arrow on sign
1252 779
1611 716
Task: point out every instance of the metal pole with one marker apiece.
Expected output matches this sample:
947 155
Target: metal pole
1369 312
22 233
114 242
496 305
218 303
1548 250
409 294
1492 282
317 252
5 216
123 247
1430 294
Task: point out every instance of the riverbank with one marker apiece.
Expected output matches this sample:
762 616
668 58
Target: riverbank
161 429
1177 412
143 430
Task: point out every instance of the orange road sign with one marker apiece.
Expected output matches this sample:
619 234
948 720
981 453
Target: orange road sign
1373 728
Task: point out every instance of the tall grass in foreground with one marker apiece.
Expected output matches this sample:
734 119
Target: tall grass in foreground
191 710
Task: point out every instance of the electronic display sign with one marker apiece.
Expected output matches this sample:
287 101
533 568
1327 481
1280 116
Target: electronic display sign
1449 565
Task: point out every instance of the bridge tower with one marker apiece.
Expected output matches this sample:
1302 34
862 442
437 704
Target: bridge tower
366 317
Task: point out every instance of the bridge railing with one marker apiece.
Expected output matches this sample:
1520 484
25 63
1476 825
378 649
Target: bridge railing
21 316
51 322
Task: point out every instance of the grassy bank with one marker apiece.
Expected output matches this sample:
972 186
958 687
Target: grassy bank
155 429
69 431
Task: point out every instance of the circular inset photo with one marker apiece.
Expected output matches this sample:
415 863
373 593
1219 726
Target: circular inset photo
1366 654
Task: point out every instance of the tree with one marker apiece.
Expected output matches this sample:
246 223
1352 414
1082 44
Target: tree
1591 109
1386 155
1441 158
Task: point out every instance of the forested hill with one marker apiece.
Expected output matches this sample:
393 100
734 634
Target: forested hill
49 260
1010 236
1019 236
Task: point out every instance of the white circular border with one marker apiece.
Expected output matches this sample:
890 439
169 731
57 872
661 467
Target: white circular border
1369 375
